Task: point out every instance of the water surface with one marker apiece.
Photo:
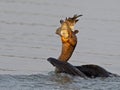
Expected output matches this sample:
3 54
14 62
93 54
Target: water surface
27 39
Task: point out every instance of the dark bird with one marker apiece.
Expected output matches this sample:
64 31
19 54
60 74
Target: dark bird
69 41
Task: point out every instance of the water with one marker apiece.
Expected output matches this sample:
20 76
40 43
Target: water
56 82
27 39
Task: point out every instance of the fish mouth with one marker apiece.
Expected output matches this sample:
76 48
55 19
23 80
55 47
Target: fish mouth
58 31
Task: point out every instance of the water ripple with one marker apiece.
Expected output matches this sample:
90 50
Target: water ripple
27 57
25 23
62 82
